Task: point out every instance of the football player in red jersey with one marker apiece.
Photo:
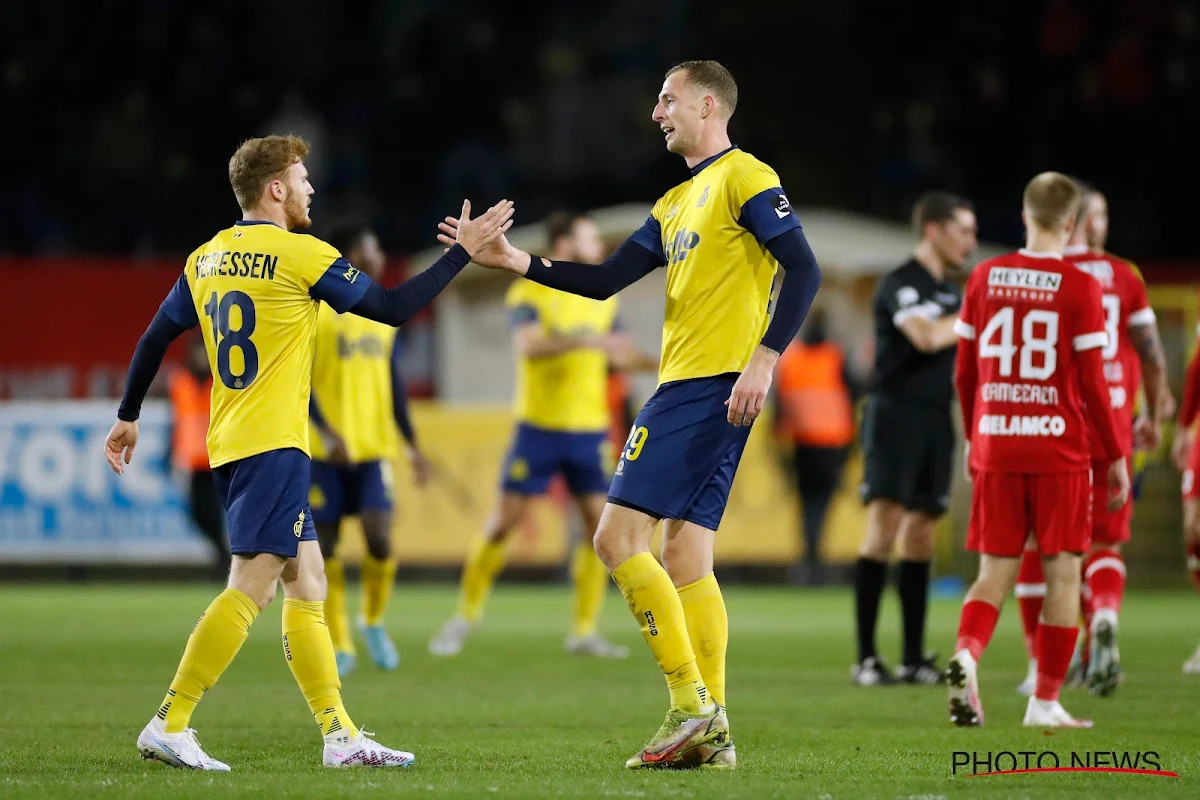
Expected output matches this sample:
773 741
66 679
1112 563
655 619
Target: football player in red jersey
1030 378
1132 355
1186 455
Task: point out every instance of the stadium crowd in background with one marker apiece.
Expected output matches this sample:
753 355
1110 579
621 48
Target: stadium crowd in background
924 97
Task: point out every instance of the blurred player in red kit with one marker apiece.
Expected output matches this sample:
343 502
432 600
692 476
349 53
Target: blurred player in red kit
1186 454
1132 355
1030 377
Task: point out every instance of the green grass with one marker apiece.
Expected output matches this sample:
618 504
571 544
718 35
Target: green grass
83 668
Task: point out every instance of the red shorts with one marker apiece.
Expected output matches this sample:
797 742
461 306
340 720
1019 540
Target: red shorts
1007 506
1108 527
1190 490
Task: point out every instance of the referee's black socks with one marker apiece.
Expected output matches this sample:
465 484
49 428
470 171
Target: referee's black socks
869 578
912 582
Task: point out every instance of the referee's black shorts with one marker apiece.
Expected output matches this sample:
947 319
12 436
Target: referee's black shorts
908 450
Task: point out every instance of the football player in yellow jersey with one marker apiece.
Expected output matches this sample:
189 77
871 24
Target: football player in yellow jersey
255 289
564 344
721 235
359 400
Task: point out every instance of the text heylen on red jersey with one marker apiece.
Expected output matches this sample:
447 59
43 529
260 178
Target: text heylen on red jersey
1029 315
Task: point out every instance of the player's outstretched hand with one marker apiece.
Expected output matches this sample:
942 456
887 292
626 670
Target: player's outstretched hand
118 447
1147 434
1181 448
478 236
749 393
1118 484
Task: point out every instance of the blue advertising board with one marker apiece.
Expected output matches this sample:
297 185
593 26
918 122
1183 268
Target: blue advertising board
60 502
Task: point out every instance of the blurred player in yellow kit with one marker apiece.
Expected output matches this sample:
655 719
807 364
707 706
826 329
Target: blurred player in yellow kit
564 345
254 289
359 400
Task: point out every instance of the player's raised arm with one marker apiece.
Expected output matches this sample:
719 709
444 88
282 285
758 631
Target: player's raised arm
637 257
176 315
401 303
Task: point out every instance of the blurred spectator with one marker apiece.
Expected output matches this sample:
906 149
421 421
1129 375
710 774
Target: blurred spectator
815 421
190 387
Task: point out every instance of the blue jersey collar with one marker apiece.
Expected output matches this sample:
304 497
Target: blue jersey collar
255 222
697 169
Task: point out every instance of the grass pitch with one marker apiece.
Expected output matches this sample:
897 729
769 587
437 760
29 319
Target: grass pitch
83 668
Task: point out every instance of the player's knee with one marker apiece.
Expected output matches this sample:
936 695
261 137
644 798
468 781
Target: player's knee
613 548
378 541
1191 529
262 595
877 545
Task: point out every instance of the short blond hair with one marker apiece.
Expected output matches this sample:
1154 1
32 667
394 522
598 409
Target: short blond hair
1051 199
259 161
711 77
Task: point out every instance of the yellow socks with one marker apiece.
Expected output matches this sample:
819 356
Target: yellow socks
214 642
378 577
309 652
591 582
336 616
655 605
708 630
484 561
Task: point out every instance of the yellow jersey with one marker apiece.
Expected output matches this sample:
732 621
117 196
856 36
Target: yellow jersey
352 385
566 392
711 233
255 288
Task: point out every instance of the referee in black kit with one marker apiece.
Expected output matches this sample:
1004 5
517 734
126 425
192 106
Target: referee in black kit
907 432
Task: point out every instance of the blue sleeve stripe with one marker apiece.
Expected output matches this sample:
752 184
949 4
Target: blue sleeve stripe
768 214
649 236
178 305
341 286
522 315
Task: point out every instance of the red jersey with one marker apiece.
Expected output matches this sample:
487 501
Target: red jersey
1024 317
1125 306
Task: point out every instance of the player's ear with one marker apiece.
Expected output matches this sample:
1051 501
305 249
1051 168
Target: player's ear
1025 218
1070 224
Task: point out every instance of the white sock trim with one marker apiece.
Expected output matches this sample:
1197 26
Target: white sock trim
1108 562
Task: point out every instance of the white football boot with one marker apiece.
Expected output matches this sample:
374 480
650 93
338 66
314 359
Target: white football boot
1051 714
450 639
1104 666
360 750
1192 665
596 646
966 709
175 749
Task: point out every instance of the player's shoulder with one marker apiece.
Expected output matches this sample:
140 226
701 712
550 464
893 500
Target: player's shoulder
308 244
739 162
1125 267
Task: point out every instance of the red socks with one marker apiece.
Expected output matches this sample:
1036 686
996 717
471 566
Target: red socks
1104 573
1193 562
1031 593
976 626
1055 644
